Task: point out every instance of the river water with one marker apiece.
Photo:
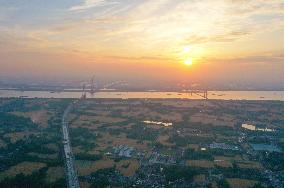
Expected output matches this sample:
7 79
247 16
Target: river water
223 95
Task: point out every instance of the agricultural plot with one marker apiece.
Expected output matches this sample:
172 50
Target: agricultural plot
26 168
240 183
30 136
112 123
117 142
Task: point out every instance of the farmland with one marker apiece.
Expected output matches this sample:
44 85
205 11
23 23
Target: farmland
192 143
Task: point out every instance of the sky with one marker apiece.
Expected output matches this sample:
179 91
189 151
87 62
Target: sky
220 41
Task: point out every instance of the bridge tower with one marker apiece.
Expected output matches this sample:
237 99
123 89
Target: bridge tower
92 85
84 95
205 94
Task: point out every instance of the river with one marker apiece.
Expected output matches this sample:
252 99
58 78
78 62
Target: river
223 95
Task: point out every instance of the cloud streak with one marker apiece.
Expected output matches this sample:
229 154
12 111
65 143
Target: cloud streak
88 4
136 28
221 38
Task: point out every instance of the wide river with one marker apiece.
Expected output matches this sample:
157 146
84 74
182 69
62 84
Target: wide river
225 95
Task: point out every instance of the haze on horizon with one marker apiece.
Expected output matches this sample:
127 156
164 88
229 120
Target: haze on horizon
222 41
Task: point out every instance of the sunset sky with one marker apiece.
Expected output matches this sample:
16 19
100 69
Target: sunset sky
175 40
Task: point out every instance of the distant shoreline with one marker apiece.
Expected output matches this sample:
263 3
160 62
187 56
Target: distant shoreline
133 90
212 95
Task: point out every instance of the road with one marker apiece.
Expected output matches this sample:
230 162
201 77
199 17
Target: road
70 170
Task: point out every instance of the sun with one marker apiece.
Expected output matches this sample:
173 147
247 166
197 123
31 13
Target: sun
187 49
188 62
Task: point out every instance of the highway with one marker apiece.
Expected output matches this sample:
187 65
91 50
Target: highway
70 170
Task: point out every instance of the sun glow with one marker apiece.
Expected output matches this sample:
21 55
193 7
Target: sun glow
188 62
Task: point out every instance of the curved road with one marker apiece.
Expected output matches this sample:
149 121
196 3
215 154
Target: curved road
70 170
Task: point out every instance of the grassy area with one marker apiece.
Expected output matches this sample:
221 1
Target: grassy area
30 130
23 167
87 167
240 183
39 117
213 120
33 129
200 163
128 167
199 178
44 156
2 144
250 165
16 136
107 140
55 173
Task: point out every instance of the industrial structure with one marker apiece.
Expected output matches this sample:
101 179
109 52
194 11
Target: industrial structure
201 93
91 87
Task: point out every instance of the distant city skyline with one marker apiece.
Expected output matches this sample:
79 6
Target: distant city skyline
215 42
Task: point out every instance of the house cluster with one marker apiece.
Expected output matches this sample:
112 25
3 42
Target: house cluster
124 151
224 146
157 158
